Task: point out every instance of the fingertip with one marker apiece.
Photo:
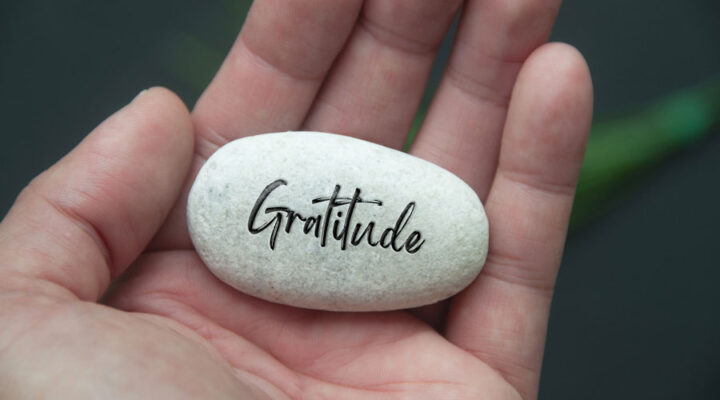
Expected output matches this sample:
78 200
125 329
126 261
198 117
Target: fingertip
565 56
570 63
550 112
559 77
167 115
164 96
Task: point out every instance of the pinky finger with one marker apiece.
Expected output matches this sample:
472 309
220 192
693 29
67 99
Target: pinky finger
502 317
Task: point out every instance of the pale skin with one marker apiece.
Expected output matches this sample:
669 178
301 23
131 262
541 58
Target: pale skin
510 117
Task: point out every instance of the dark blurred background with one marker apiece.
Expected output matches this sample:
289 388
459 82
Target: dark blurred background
636 308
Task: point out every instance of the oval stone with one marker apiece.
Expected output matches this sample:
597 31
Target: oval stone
329 222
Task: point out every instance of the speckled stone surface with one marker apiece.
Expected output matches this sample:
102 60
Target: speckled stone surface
257 216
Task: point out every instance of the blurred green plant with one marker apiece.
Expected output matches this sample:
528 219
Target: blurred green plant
624 147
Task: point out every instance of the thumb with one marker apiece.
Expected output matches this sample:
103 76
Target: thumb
84 220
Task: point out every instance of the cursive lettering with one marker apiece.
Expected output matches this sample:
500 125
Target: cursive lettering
335 223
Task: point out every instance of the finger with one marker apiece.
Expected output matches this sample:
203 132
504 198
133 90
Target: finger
271 75
461 131
81 222
266 84
374 89
502 317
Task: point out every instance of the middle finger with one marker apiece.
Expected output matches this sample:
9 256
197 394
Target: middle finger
376 85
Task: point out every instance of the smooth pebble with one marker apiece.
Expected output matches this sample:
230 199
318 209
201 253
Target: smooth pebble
324 221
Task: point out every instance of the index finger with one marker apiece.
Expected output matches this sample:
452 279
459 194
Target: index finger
273 71
267 83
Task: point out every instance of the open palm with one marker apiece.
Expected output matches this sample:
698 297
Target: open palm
510 117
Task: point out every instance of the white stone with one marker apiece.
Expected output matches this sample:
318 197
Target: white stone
438 224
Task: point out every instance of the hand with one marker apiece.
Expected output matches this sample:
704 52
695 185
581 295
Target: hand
510 117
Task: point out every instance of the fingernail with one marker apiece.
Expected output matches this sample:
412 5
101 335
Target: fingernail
139 95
